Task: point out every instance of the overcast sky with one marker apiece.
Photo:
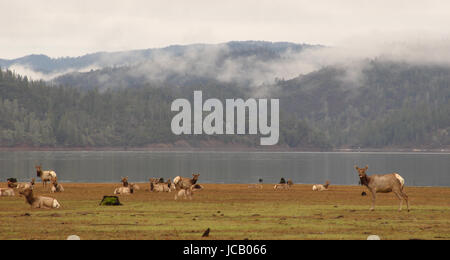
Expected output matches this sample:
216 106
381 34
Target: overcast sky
76 27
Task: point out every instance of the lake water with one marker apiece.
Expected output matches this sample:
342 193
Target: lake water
419 169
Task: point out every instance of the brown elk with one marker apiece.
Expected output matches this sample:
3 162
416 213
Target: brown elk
320 187
125 190
184 193
46 176
39 202
157 186
284 186
8 192
185 183
26 185
124 181
383 184
56 187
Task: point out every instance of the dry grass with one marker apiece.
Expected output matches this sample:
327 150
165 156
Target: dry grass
232 212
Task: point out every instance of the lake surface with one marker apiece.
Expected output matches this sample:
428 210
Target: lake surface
419 169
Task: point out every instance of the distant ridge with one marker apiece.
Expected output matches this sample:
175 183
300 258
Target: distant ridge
43 64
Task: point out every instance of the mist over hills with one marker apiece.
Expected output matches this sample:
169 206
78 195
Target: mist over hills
159 63
327 99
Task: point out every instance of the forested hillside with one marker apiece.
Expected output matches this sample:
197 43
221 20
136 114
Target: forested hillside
384 104
387 104
34 114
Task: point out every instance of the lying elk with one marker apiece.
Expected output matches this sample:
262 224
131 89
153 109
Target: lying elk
185 183
320 187
161 186
46 176
257 186
39 202
156 180
56 187
124 181
21 186
125 190
284 186
8 192
383 184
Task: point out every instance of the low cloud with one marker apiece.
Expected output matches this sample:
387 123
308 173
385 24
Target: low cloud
218 61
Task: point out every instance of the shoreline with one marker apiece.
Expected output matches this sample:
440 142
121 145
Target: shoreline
245 185
221 149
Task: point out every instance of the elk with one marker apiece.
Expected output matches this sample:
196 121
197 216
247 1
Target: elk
157 185
8 192
188 193
56 187
160 187
284 186
125 190
156 180
39 202
185 193
46 176
27 185
185 183
320 187
124 181
257 186
383 184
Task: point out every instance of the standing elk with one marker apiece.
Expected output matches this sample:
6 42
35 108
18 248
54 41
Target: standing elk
188 193
26 185
39 202
184 193
46 176
320 187
383 184
185 183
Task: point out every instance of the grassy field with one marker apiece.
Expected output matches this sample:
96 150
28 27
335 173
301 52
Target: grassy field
232 212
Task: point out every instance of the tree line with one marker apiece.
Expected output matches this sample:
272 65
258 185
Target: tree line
388 105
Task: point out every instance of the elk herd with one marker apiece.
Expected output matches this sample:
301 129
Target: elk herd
27 190
184 188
